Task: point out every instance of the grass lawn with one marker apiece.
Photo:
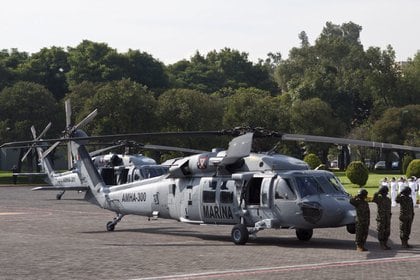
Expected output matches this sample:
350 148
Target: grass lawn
372 184
6 179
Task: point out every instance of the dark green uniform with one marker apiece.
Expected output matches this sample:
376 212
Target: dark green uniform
406 216
362 220
383 218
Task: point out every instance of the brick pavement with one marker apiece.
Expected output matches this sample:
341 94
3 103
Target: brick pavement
43 238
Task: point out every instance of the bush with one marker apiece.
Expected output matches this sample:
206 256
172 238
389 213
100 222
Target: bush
357 173
312 160
413 168
405 162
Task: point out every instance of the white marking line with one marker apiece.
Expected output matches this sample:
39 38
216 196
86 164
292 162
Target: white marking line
265 270
11 213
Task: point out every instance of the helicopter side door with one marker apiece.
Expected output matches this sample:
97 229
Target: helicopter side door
259 198
285 202
219 203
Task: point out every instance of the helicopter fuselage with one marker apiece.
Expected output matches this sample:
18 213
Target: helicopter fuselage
293 199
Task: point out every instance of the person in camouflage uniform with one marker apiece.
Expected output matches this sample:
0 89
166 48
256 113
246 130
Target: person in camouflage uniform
362 218
383 217
406 215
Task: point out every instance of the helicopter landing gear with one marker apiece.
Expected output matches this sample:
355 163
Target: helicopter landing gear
59 195
351 228
110 226
304 234
240 234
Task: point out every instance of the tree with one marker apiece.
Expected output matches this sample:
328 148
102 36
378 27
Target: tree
142 68
189 110
357 173
314 116
413 169
10 62
256 108
410 92
398 125
48 67
224 69
94 62
334 70
123 107
184 109
312 160
25 104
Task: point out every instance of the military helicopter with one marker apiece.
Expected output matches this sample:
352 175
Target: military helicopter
250 191
115 168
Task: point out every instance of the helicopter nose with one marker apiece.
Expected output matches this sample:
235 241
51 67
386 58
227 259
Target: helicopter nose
312 211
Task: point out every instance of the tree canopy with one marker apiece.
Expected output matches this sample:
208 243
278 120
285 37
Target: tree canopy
333 87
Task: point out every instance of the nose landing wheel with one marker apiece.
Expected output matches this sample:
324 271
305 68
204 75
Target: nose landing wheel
240 234
304 234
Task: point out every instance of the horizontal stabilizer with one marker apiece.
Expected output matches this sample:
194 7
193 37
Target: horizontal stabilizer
61 188
29 174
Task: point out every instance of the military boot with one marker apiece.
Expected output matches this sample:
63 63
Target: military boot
405 244
383 245
361 248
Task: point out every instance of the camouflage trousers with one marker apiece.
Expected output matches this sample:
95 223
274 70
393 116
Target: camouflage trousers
362 231
405 228
384 229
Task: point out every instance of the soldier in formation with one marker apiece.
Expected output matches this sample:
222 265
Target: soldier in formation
394 191
383 217
362 218
406 215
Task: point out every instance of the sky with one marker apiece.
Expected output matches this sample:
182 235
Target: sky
172 30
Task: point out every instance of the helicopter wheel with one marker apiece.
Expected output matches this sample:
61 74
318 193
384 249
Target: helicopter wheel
59 195
304 234
240 234
110 226
351 228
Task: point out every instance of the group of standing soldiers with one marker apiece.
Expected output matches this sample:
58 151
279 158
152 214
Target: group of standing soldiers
397 185
383 216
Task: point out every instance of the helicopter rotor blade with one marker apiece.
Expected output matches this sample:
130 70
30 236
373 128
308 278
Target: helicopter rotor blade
87 119
67 106
173 149
26 154
33 131
69 156
346 141
98 152
43 132
258 133
50 149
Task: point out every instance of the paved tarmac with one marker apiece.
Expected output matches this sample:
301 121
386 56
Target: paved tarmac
43 238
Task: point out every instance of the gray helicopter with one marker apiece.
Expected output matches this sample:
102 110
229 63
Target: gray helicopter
250 191
115 168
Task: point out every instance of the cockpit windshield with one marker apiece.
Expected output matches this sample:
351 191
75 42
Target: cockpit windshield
332 183
150 171
307 185
319 184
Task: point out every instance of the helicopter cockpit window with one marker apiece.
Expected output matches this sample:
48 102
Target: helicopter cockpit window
283 190
336 183
152 171
308 186
136 175
328 186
